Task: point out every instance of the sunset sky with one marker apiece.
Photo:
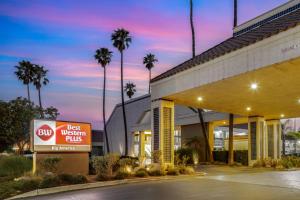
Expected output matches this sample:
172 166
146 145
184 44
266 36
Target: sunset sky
63 35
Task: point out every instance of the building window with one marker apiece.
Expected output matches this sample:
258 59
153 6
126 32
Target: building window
177 138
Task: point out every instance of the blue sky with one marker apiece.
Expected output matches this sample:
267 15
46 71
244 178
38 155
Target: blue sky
63 35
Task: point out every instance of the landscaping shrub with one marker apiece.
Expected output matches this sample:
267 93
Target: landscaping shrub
103 177
186 170
156 172
286 162
49 164
184 156
142 172
72 179
6 190
11 188
49 181
122 174
173 171
79 179
156 169
127 164
14 165
26 185
105 165
156 156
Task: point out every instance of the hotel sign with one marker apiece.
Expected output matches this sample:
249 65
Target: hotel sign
291 48
60 136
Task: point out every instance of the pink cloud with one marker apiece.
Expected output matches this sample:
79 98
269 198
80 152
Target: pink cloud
158 25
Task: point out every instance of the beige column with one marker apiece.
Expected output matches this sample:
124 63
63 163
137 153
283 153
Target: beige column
274 143
256 139
211 135
163 129
142 148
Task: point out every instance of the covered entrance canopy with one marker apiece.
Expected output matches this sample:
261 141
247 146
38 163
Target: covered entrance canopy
254 73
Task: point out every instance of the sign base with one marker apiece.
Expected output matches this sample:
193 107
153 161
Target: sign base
70 163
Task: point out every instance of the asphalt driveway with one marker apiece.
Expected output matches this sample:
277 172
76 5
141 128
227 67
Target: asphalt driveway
242 185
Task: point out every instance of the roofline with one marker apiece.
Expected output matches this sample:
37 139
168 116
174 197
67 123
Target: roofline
126 103
199 61
265 15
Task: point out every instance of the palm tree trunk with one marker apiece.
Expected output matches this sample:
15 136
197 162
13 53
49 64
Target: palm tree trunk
28 92
40 102
149 80
200 115
104 121
123 107
192 28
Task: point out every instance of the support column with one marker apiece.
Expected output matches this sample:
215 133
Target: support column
211 135
274 143
163 129
142 156
230 144
256 139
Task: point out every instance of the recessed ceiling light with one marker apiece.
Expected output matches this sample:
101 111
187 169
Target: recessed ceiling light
200 99
253 86
248 108
298 100
282 115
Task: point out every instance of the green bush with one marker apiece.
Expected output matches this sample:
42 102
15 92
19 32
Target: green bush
173 172
103 177
184 156
186 170
49 164
26 185
72 179
11 188
6 190
156 172
14 165
105 165
286 162
49 181
79 179
142 172
122 174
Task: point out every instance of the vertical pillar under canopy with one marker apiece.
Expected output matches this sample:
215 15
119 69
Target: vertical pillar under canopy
162 125
264 139
256 139
274 142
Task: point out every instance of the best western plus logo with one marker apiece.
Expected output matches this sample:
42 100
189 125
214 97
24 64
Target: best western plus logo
45 132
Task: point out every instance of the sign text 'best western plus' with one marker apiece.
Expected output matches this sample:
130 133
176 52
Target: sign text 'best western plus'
61 136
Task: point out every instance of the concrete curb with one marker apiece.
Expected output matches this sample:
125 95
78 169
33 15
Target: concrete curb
67 188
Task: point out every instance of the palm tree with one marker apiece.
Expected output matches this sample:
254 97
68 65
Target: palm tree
25 73
192 29
121 40
195 143
130 89
149 61
40 79
103 57
200 111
